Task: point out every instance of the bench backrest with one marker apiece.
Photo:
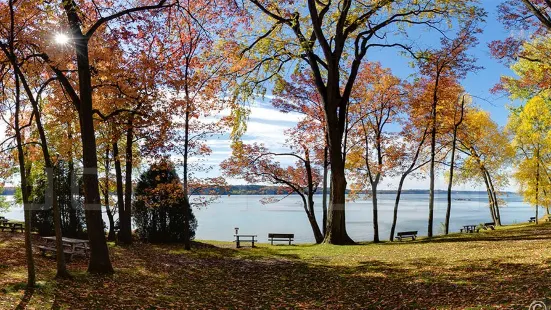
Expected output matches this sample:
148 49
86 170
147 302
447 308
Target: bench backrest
272 235
402 233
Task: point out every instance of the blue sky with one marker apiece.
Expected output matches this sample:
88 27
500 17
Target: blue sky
477 84
267 125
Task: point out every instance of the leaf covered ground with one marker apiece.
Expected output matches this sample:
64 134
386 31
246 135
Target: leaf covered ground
505 269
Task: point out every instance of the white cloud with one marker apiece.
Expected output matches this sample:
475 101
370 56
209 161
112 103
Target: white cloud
259 113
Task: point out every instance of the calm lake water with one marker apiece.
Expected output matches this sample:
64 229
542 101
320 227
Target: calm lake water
217 221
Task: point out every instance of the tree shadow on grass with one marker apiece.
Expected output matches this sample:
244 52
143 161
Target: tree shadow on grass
426 283
205 250
29 292
419 283
219 277
523 233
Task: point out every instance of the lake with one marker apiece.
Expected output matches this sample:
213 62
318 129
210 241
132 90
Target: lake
217 221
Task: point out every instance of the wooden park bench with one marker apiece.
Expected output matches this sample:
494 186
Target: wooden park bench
532 219
245 238
491 226
280 237
406 234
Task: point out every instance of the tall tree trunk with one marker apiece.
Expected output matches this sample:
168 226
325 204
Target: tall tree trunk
374 179
431 189
120 191
60 254
452 166
494 197
336 112
31 275
375 213
450 182
126 230
537 181
310 211
396 203
99 253
336 221
308 206
99 262
490 196
73 225
324 189
433 153
110 216
111 235
187 206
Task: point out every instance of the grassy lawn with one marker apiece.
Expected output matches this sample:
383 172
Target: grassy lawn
507 268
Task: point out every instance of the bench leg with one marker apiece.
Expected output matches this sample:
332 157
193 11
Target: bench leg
289 241
252 243
272 241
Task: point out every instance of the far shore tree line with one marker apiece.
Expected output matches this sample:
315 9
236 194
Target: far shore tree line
98 89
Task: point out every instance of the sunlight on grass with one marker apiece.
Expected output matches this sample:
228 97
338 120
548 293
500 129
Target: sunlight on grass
469 269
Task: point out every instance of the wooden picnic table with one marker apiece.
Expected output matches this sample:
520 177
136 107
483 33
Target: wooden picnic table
74 246
5 224
468 228
244 238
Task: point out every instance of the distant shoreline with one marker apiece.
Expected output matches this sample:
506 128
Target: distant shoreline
274 190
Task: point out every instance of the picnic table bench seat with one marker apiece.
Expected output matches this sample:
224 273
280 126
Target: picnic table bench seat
13 227
406 234
68 252
280 237
71 246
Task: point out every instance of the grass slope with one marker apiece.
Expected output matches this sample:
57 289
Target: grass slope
507 268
